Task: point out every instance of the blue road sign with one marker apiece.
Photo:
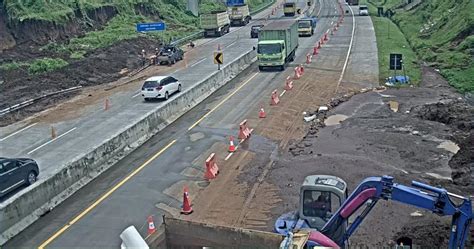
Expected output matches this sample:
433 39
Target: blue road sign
145 27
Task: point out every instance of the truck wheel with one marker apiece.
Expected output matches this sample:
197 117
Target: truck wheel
260 68
282 68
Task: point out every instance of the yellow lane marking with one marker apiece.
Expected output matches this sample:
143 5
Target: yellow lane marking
103 197
222 102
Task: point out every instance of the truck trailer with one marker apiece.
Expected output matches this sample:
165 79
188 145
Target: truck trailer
216 23
277 44
239 15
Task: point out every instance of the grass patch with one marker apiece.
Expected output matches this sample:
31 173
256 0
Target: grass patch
46 65
13 66
391 40
440 32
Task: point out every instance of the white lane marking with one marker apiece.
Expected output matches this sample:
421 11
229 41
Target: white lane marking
138 94
16 132
320 7
348 51
327 31
195 63
230 45
54 139
332 22
282 93
228 156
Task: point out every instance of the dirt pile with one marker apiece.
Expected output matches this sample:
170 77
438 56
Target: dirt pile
374 140
99 67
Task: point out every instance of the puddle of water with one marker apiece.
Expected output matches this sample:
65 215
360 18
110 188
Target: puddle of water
335 119
449 146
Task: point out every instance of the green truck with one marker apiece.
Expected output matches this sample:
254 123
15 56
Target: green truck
277 44
216 23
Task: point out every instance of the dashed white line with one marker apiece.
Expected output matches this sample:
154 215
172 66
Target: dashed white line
197 62
16 132
54 139
138 94
282 93
230 45
228 156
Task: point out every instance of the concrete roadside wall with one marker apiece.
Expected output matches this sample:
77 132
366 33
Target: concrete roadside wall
23 209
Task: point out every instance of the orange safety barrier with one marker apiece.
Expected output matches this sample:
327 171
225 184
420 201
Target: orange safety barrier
231 144
261 113
275 98
308 58
315 50
151 225
244 131
297 73
187 207
288 83
301 69
212 170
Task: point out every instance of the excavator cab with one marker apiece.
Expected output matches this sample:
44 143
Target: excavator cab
320 197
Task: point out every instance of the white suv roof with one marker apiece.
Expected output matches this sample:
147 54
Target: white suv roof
156 78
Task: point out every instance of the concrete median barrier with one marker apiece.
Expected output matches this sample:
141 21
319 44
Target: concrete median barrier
28 205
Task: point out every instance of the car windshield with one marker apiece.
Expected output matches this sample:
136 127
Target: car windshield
363 8
256 28
150 84
289 5
320 204
269 48
304 24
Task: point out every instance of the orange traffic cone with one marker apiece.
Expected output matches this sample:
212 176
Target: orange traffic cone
53 133
187 209
231 146
151 225
262 113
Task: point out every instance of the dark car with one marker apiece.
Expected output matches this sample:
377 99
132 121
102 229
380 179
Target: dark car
16 172
255 30
170 54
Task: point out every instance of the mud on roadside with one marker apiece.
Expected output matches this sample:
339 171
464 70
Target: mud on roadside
428 139
99 67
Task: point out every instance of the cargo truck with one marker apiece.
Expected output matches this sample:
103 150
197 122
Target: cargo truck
216 23
289 8
239 15
277 44
306 26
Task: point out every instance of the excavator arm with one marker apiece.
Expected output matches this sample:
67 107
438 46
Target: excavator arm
373 189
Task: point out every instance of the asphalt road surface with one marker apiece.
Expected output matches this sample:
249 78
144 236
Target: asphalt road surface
98 213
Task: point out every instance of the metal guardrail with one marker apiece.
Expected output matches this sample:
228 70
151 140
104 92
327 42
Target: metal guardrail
31 101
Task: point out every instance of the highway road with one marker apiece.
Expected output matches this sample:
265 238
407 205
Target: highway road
130 191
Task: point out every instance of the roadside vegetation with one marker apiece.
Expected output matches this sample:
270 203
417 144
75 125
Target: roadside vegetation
439 31
122 26
391 40
37 66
